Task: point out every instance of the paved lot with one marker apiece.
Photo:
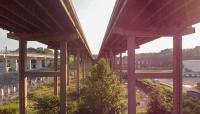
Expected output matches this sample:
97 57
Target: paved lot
188 82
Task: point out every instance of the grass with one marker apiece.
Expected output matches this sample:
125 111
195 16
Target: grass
47 89
142 111
11 108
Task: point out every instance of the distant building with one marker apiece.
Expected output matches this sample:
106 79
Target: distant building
191 65
10 62
94 56
191 68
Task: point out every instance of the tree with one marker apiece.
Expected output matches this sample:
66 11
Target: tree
31 50
40 50
160 101
47 105
47 51
102 92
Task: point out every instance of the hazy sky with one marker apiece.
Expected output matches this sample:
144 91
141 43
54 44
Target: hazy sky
94 16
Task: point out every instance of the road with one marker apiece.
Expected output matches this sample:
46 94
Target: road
188 83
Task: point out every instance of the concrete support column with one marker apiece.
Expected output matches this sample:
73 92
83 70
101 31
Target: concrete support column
177 79
16 65
14 89
22 77
29 63
131 44
55 69
83 64
39 63
68 71
74 66
120 67
63 77
78 72
8 90
111 58
2 93
114 62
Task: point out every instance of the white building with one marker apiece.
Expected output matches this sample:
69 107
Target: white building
191 67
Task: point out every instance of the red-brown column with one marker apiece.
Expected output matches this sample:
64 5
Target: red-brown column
63 77
177 79
68 70
74 66
114 62
106 58
131 78
22 77
56 69
120 67
83 73
111 58
78 72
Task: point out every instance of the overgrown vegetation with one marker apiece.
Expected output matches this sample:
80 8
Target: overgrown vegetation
191 105
11 108
161 99
47 105
102 92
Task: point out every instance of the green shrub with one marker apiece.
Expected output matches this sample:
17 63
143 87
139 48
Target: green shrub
159 102
161 99
191 105
11 108
73 107
47 105
32 96
102 92
49 85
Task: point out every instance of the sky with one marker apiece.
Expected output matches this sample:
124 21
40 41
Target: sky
94 16
14 44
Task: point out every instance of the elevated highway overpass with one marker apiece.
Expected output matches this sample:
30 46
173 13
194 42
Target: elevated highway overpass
51 22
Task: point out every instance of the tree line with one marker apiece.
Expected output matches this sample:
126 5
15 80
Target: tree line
39 50
165 57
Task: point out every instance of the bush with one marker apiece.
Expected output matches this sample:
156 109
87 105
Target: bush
161 97
191 105
102 92
73 106
159 102
47 105
32 96
11 108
